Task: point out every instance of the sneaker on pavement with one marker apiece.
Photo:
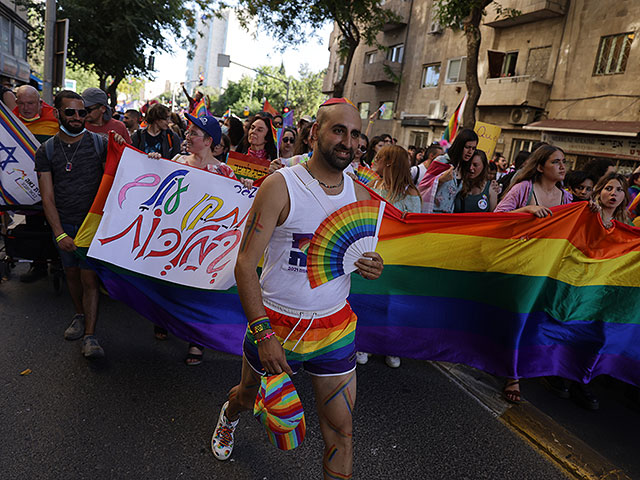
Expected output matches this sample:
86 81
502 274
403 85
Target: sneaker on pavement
362 358
393 362
75 331
222 439
91 348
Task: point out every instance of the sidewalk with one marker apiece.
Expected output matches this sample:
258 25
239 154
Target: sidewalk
587 445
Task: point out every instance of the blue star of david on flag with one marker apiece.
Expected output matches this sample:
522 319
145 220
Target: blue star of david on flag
10 158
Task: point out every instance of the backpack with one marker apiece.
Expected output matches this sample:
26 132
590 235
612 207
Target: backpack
98 145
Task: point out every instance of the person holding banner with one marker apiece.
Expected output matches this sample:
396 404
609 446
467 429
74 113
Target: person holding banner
289 207
260 142
69 167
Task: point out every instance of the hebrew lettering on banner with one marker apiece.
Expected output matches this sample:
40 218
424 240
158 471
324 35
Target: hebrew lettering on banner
173 222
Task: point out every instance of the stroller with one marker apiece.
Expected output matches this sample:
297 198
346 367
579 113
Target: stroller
30 241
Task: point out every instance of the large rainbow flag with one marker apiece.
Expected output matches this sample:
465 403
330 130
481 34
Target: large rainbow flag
507 293
456 118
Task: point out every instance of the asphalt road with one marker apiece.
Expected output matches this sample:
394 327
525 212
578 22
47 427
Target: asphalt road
141 413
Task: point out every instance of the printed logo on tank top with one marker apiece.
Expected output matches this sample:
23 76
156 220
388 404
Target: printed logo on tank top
298 253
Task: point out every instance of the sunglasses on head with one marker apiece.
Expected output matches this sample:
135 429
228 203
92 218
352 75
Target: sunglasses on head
70 112
288 140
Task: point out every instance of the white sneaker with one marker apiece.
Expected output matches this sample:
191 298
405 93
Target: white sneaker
222 439
393 362
362 358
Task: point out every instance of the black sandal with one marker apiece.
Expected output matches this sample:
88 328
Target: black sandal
512 395
196 358
160 333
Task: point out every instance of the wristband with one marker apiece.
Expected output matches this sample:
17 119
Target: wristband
61 236
260 328
258 320
266 337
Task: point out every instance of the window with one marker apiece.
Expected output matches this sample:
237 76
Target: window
369 58
519 144
387 113
613 54
538 62
364 108
5 35
420 139
430 75
395 53
509 64
19 43
456 70
339 72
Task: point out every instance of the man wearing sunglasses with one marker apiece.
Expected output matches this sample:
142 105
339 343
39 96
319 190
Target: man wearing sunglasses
69 167
99 115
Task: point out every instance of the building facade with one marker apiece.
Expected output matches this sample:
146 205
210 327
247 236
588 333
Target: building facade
561 71
14 26
211 40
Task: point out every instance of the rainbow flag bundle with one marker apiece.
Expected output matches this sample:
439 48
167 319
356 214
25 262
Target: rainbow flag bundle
200 110
508 293
452 128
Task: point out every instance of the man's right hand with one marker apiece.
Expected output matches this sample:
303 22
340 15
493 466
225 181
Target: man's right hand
272 357
67 244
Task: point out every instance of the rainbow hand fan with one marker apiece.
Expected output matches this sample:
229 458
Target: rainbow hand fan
341 239
366 175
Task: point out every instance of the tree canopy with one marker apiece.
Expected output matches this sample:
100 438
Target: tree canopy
290 21
114 38
305 94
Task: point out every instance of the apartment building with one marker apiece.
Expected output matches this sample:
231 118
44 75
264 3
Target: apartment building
14 26
561 71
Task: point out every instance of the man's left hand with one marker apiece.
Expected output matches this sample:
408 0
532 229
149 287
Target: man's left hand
118 138
370 265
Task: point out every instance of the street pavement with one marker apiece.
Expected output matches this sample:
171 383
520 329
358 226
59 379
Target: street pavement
141 413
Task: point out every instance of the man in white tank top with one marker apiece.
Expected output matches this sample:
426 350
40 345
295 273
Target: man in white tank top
290 325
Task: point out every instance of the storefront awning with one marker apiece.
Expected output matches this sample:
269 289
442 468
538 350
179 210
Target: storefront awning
587 127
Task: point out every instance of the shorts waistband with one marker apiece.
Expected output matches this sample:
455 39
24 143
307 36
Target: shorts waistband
302 313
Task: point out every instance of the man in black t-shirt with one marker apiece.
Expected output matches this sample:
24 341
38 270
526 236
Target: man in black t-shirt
69 168
157 137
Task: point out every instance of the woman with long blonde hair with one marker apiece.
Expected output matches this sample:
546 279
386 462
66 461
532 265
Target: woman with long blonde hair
395 185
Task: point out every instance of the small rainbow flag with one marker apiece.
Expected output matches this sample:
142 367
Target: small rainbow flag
200 110
452 128
227 114
287 119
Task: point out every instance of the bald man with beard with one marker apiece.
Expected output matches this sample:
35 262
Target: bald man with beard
320 335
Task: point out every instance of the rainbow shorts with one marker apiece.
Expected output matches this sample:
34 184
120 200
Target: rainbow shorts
323 343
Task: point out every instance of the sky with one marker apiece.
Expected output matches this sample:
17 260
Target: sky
263 51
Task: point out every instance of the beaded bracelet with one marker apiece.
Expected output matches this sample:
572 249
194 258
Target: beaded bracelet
266 337
61 236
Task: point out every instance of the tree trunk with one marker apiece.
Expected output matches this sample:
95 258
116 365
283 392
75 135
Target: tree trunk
338 87
102 79
112 91
473 36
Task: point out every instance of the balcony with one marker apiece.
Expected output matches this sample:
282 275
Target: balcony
402 8
530 11
523 90
382 73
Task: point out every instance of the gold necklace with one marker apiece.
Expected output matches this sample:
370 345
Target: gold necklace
322 183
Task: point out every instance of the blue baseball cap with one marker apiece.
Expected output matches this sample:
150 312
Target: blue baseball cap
209 125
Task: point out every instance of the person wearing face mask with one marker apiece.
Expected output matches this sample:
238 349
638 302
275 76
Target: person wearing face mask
69 167
234 129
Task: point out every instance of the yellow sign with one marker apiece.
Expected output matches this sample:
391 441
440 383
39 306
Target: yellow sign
487 137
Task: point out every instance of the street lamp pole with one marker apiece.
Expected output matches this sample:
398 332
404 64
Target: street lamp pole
225 61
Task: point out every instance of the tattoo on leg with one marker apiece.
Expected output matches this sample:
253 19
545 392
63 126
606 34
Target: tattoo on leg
335 475
331 452
336 429
253 226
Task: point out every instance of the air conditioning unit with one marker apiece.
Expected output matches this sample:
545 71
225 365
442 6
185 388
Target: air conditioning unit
434 28
435 110
521 116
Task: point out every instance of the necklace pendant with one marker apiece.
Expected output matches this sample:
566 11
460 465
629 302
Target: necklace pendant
68 166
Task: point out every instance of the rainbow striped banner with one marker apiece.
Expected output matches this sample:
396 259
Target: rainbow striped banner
507 293
18 180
